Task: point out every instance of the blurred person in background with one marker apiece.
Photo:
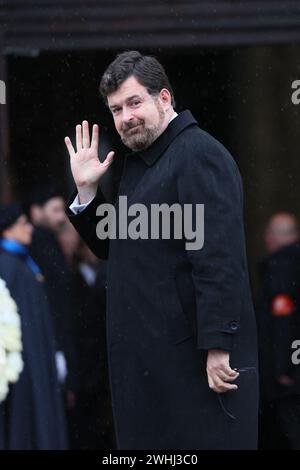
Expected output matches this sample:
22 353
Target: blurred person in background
45 207
69 242
32 416
90 420
278 317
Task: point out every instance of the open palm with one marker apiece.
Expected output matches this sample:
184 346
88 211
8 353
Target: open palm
85 165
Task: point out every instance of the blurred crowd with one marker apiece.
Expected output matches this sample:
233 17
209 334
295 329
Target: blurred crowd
278 321
62 399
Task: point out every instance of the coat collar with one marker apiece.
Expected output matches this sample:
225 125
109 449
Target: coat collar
177 125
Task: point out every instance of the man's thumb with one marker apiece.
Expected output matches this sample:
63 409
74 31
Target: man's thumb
109 158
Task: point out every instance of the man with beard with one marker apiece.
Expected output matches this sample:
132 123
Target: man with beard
180 322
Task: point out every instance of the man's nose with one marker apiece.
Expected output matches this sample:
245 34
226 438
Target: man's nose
127 115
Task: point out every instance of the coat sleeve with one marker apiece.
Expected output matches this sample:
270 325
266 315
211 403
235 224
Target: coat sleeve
207 174
86 223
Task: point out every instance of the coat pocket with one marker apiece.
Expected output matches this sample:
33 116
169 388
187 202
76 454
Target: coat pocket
178 325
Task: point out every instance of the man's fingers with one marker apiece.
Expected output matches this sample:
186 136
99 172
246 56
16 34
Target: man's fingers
226 387
227 370
69 146
210 383
95 137
219 386
109 158
85 134
78 137
226 377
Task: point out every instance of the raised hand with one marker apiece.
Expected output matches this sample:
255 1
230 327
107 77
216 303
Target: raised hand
85 165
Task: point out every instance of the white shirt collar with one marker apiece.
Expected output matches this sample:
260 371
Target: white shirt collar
173 117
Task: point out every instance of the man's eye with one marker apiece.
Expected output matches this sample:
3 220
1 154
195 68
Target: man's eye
115 110
135 103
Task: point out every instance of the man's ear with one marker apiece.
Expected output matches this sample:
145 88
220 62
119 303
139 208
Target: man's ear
166 98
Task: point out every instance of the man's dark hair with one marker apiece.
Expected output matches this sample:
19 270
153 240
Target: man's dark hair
146 69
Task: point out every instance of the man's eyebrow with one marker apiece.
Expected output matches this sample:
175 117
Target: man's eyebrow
132 97
127 99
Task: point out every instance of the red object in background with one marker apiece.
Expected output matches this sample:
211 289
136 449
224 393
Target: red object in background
282 305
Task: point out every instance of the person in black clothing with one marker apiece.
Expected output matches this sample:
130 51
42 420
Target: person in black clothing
32 416
90 421
278 316
107 425
181 327
45 207
93 406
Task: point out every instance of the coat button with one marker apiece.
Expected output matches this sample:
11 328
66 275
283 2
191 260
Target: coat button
233 325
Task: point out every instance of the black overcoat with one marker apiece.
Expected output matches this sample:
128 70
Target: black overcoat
166 305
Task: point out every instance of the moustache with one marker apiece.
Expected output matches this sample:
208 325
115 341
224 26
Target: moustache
131 125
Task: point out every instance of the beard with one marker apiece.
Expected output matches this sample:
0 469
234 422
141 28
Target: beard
138 136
